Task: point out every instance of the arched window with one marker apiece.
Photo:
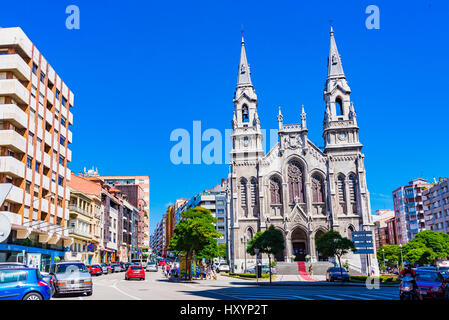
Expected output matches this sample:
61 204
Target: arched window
295 182
243 195
353 192
275 190
339 107
350 231
249 233
317 188
245 113
341 189
253 191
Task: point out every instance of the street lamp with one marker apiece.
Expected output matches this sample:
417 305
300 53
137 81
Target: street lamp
402 262
383 253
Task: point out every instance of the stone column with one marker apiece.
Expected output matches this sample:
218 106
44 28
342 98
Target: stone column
288 242
313 256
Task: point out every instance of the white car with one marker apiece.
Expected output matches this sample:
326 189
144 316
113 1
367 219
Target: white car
223 267
151 266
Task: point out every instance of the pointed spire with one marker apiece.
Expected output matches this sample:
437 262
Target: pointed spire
280 119
244 78
334 67
303 118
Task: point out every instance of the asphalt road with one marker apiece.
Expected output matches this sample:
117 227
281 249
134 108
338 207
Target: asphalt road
156 287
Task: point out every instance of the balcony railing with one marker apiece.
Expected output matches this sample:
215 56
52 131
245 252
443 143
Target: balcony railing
74 207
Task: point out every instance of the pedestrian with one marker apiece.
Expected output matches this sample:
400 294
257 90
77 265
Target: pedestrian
311 270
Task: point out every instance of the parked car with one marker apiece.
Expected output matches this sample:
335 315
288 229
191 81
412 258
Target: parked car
135 272
432 284
71 277
95 269
151 266
109 266
336 273
104 268
223 267
116 268
123 266
161 262
46 276
265 269
23 284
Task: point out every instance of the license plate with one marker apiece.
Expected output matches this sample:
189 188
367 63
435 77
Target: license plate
423 292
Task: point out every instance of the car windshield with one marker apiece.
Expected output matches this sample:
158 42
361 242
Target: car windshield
428 276
136 268
71 267
337 270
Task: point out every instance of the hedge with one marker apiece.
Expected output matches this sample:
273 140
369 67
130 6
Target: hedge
383 279
249 275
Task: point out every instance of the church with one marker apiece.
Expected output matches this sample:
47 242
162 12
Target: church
297 187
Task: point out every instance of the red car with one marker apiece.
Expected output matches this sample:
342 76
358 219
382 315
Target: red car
432 284
135 272
95 269
161 262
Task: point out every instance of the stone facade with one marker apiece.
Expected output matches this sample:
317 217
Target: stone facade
297 187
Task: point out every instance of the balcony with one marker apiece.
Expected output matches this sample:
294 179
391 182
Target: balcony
14 114
14 63
12 166
12 140
14 89
75 208
15 195
78 232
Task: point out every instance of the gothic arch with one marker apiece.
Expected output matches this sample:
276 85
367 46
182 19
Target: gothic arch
254 196
243 193
300 241
349 230
275 189
318 185
296 175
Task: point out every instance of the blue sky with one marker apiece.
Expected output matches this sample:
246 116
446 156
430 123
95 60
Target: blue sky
139 70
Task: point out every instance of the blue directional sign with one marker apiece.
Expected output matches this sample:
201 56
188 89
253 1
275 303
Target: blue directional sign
363 241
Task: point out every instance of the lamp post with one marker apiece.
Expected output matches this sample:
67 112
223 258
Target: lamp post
383 253
402 262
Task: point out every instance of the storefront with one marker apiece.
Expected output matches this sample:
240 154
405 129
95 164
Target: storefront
31 256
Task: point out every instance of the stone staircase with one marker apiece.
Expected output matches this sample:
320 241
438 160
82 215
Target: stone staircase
291 268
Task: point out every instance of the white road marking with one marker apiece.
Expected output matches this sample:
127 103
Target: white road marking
123 292
353 297
328 297
302 298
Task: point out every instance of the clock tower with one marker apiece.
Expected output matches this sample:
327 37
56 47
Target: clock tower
340 124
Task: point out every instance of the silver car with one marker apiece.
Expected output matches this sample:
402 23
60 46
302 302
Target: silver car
71 277
223 267
151 266
116 268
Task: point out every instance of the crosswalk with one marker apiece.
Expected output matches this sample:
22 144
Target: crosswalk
309 294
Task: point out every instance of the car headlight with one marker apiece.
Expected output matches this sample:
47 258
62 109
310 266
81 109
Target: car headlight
435 289
407 288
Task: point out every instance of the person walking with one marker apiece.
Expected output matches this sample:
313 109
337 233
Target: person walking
311 270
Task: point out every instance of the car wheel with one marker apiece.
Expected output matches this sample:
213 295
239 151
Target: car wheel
89 293
32 296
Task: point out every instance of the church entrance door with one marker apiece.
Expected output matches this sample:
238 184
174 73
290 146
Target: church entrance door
299 244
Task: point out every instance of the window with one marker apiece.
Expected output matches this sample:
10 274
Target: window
295 182
8 276
339 107
253 191
28 187
57 94
245 113
60 180
317 188
341 189
63 121
64 101
29 162
275 190
61 160
37 166
42 77
33 91
62 140
243 192
35 68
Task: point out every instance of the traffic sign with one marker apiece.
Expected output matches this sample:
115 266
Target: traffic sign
364 251
363 245
362 238
364 233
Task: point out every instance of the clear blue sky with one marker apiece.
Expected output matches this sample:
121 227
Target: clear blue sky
140 69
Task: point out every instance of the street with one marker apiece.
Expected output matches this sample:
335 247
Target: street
157 287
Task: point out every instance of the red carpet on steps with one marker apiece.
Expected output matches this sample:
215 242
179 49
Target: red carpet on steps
302 271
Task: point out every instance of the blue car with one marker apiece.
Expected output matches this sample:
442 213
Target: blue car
23 284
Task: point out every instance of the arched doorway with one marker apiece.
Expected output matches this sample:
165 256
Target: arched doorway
319 255
299 244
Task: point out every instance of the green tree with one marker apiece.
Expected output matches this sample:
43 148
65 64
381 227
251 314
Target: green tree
271 242
427 247
222 251
333 244
392 254
194 232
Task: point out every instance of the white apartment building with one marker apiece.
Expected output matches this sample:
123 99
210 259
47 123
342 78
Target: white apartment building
35 118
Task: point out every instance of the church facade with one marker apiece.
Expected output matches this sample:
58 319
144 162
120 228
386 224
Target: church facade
297 187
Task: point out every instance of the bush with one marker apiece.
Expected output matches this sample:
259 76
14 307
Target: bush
383 279
248 275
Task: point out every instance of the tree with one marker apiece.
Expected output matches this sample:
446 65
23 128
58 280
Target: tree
194 232
333 244
271 242
222 251
391 253
427 247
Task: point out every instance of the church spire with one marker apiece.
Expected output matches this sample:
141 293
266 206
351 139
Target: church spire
334 66
244 74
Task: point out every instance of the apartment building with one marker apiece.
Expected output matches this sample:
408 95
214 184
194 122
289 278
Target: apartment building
85 222
157 244
436 206
381 224
408 209
35 117
144 183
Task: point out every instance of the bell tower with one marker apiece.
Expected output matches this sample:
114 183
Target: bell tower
246 132
340 130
